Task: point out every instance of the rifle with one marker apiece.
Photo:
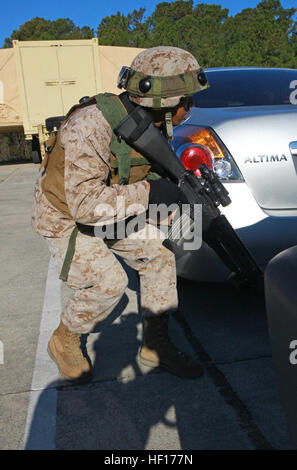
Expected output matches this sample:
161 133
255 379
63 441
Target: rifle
138 131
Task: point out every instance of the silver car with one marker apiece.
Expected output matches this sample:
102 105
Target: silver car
245 127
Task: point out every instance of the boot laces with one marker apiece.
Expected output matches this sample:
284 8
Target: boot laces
162 331
72 344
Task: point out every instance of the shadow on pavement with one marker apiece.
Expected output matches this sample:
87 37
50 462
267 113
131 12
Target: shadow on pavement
234 405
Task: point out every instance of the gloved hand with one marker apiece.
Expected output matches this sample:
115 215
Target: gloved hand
164 191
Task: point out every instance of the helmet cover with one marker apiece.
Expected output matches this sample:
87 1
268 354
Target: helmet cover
160 76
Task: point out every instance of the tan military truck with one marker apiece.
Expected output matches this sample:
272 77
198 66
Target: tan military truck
41 80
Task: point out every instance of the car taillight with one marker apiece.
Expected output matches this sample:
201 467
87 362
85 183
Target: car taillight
193 157
202 145
206 138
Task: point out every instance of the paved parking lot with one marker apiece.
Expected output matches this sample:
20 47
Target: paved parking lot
235 405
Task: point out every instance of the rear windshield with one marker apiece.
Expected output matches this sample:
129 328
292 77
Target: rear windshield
230 88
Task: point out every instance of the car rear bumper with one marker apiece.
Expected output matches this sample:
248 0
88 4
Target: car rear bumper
264 235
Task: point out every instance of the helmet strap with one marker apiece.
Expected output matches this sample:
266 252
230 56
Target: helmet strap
169 125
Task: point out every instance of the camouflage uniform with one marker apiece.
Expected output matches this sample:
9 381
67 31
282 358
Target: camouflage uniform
79 184
96 277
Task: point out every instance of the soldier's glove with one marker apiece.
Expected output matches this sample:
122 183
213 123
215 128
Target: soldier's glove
164 191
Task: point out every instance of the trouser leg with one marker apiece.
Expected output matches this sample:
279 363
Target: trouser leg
98 281
157 273
96 278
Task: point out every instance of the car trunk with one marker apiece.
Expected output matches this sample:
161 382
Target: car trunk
259 140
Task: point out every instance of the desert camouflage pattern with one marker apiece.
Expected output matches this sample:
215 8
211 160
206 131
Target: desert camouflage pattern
86 138
96 278
163 61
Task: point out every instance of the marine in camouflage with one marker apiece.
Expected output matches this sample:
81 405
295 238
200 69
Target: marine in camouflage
96 277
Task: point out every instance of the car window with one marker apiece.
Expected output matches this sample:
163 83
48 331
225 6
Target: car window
229 88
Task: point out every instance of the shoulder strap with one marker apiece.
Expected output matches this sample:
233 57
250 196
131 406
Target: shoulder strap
114 112
115 109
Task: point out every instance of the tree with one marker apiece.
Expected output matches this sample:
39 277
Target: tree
208 35
170 23
41 29
121 30
261 36
197 29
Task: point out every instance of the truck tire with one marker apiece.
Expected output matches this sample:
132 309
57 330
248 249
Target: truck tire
53 123
36 156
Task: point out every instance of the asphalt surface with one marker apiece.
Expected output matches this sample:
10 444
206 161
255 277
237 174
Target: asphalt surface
235 405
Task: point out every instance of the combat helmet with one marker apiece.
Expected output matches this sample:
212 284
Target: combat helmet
161 76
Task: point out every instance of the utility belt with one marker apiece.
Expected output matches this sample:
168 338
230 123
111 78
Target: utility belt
112 233
86 229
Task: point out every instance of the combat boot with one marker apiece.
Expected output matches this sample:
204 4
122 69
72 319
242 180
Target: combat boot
64 348
158 351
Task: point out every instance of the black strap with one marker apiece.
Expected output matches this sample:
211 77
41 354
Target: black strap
142 124
108 229
127 103
86 229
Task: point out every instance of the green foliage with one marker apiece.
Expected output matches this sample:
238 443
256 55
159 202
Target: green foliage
14 147
262 36
39 29
121 30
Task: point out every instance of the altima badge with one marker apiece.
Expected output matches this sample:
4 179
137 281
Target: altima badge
266 158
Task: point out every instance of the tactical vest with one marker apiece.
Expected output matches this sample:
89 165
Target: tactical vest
126 165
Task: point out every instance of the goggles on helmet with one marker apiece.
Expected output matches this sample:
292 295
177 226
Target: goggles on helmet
157 87
124 76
